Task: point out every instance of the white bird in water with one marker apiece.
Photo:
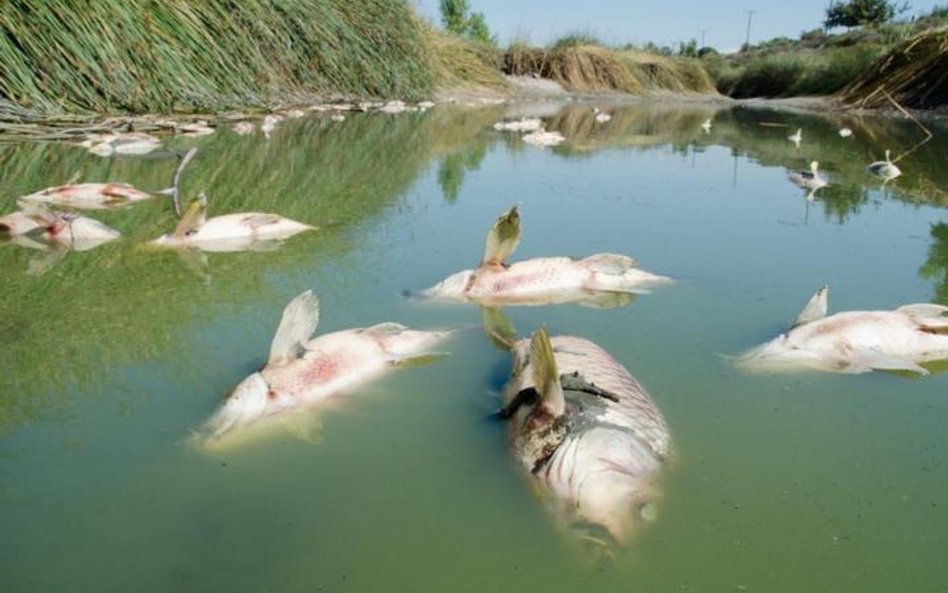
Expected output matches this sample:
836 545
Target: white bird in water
540 281
809 179
885 170
229 232
845 132
89 196
706 126
303 372
796 138
855 341
587 434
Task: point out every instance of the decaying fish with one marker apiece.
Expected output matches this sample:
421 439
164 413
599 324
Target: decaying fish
89 196
540 281
131 143
302 372
46 226
587 433
230 232
855 341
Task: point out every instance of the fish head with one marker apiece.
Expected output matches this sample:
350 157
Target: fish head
251 400
452 287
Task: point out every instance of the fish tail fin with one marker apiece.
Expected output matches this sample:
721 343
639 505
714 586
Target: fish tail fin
503 237
815 308
193 217
297 325
546 376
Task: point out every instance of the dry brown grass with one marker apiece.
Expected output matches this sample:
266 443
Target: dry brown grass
915 74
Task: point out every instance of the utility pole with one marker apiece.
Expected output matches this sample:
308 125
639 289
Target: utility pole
747 37
703 31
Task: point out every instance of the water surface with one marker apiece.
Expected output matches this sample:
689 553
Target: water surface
111 357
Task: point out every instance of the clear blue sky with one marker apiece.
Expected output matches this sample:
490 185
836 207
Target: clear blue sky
665 22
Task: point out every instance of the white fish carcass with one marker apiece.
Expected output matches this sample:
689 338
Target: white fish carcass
541 281
131 143
525 124
586 433
303 372
855 341
49 227
230 232
89 196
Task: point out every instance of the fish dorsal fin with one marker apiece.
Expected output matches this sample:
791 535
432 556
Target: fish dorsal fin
816 308
546 377
923 310
297 325
503 238
193 217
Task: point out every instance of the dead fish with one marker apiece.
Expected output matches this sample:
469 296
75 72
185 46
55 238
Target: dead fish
270 123
543 138
539 281
230 232
132 143
855 341
706 126
587 434
44 227
796 137
303 372
524 124
243 128
89 196
194 129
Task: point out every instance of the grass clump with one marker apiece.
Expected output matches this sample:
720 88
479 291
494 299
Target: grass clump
181 55
915 74
458 61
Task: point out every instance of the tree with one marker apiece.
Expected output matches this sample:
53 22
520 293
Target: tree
455 18
856 13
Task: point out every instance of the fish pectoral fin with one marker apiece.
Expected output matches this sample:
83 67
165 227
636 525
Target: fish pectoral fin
503 238
410 362
498 327
546 377
307 427
815 308
610 263
924 310
193 217
864 359
297 325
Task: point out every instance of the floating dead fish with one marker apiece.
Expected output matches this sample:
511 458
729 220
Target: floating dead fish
294 113
243 128
230 232
808 179
89 196
337 117
194 129
132 143
525 124
47 227
587 434
270 123
393 107
885 170
302 373
855 341
425 105
543 138
845 132
603 117
540 281
706 126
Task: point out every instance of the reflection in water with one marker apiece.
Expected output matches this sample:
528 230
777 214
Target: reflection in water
454 166
935 267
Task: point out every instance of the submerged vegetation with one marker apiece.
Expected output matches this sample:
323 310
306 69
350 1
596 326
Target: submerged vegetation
143 56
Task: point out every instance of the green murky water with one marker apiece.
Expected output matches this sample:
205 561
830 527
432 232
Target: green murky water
819 482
